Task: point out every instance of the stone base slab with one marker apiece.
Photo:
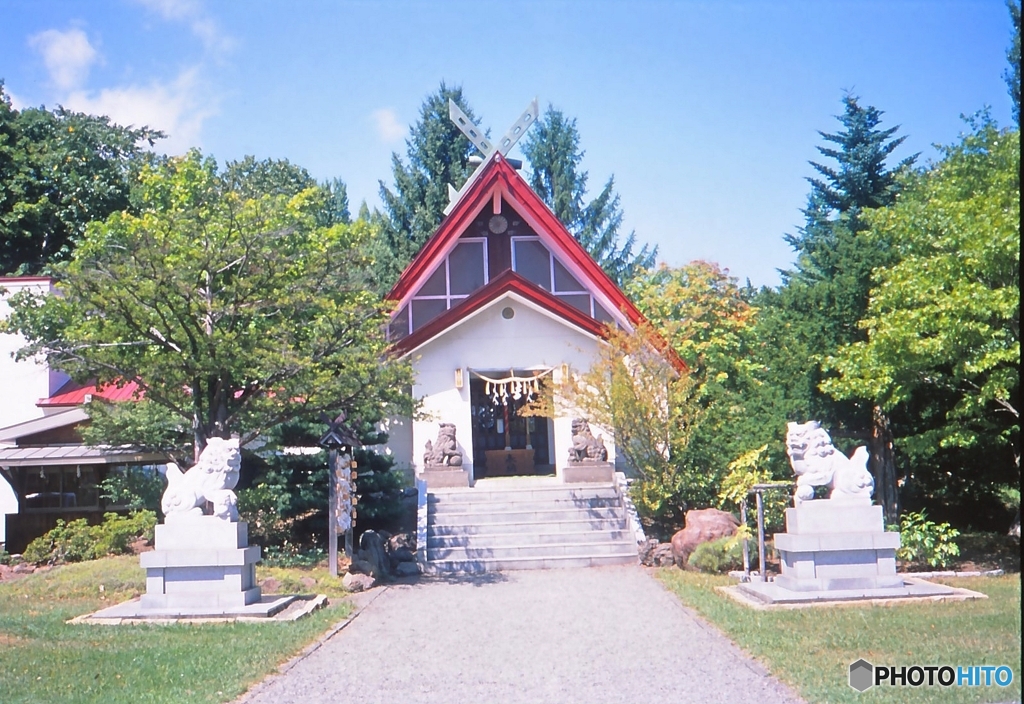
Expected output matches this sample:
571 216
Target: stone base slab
771 593
593 472
202 600
822 584
265 607
445 478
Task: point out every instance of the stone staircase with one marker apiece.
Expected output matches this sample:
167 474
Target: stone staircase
526 523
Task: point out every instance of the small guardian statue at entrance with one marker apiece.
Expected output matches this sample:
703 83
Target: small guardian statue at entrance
445 451
585 447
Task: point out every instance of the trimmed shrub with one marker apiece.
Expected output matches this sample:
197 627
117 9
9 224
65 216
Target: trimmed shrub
77 541
924 542
718 556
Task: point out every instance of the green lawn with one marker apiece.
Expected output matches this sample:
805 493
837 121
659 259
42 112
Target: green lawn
43 659
811 649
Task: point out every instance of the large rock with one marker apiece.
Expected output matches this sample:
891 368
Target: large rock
702 526
371 549
357 582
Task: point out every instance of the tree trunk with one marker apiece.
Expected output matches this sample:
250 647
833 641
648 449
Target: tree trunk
882 466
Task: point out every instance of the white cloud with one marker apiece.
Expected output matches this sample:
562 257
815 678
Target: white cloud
68 56
16 101
192 13
389 129
178 108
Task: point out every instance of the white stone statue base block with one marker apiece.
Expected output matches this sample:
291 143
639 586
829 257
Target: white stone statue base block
201 562
837 550
831 544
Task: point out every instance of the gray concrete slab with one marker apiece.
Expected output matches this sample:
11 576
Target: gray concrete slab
598 635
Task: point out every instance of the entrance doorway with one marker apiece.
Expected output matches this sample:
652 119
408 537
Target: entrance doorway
506 443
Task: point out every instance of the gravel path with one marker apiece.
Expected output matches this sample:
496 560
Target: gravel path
591 636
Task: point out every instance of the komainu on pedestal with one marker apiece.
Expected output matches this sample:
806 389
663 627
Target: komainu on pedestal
203 561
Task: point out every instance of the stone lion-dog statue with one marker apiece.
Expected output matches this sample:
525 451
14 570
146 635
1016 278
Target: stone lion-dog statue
817 462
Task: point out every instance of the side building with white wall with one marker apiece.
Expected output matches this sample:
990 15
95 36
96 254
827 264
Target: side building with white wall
23 382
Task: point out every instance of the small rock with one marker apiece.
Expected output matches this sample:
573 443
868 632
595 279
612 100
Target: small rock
646 552
308 582
270 585
407 569
358 566
371 549
140 545
357 582
403 555
663 555
23 568
402 540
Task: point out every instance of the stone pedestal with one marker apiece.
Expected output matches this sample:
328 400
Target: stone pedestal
583 472
831 545
201 562
445 477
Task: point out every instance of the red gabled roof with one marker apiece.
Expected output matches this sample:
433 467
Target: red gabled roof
507 282
498 174
73 394
494 175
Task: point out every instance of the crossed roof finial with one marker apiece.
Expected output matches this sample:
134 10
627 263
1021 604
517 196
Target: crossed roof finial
484 145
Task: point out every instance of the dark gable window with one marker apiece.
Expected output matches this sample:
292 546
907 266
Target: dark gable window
532 260
462 272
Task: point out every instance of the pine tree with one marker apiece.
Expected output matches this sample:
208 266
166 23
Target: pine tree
437 154
553 149
826 294
1012 74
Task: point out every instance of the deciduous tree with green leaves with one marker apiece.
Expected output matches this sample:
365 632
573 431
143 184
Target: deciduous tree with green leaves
552 147
59 171
233 310
944 320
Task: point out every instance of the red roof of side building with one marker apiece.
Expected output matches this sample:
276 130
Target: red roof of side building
74 394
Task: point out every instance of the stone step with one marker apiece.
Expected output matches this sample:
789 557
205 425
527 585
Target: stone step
529 516
569 526
505 552
562 491
477 566
497 505
527 538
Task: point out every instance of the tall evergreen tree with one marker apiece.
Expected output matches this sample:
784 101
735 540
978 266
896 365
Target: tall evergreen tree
437 154
826 294
1012 74
553 149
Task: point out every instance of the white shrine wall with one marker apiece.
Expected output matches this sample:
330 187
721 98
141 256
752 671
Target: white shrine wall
533 339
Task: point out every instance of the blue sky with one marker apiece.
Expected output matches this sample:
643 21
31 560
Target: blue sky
705 112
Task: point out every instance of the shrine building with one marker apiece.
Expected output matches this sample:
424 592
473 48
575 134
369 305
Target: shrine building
500 301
